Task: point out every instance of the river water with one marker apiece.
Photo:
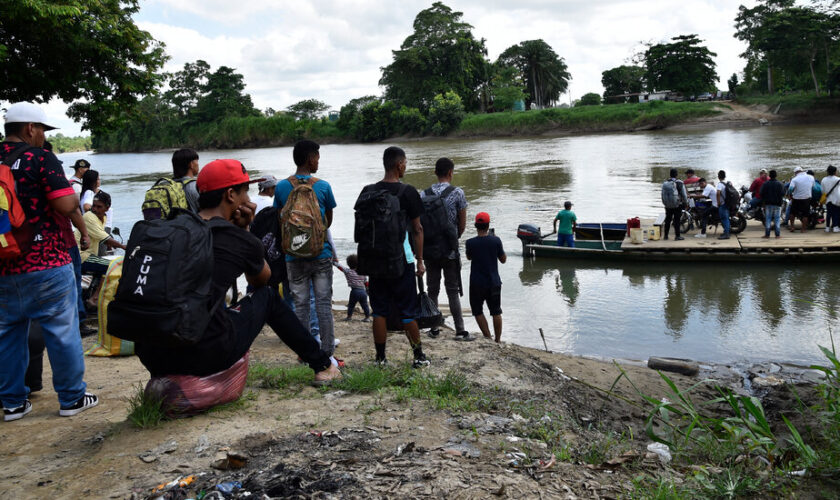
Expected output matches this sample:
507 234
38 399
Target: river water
709 312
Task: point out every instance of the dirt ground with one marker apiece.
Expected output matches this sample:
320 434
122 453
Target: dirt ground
332 444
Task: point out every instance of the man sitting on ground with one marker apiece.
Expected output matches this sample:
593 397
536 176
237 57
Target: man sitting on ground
223 188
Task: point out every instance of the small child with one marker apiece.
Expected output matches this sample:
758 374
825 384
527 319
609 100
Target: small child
485 251
358 288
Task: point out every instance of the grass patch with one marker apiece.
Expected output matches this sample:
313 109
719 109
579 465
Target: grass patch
145 411
279 377
793 103
586 118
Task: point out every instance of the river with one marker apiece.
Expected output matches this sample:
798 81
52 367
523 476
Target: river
709 312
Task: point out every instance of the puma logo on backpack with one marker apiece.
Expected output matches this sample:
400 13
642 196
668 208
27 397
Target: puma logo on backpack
301 222
163 196
165 292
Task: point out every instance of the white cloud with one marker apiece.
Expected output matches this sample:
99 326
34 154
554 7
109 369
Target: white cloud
332 49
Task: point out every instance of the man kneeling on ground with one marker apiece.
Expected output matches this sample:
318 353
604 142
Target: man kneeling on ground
223 194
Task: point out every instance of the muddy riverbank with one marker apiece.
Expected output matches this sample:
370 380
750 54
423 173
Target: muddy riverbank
538 424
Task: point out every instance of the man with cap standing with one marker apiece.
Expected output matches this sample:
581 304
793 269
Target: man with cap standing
485 251
266 192
79 169
800 190
223 199
40 283
568 224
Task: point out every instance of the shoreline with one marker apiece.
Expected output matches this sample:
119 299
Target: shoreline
343 443
732 115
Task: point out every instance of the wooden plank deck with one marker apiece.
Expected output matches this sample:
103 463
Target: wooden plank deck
750 240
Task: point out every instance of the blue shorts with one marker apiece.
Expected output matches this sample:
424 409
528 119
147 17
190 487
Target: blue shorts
399 293
566 240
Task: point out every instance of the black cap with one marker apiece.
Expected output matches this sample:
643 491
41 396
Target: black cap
81 164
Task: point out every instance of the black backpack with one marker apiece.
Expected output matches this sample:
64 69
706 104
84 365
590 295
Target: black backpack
164 294
380 231
267 228
440 236
732 198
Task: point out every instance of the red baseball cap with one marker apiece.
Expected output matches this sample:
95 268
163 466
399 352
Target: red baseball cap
482 218
219 174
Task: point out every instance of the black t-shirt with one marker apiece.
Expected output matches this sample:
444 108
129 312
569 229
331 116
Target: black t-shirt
484 252
236 251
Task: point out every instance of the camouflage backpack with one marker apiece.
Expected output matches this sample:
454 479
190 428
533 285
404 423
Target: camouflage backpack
302 225
163 196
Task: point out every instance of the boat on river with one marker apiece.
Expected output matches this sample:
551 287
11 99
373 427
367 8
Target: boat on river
611 241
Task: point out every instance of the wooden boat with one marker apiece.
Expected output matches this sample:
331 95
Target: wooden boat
609 241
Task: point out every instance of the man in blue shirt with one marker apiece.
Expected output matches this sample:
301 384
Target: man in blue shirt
317 272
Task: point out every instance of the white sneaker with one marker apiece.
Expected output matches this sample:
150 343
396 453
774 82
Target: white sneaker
87 401
701 235
837 229
336 342
827 229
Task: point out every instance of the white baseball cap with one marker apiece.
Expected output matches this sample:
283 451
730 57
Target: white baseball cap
27 112
797 170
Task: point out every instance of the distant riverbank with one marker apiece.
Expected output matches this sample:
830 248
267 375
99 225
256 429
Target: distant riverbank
282 130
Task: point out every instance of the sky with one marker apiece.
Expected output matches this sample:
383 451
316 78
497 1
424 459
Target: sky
332 50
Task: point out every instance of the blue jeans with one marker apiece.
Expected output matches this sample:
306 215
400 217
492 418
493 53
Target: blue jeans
306 276
77 268
772 213
723 212
358 295
49 297
566 240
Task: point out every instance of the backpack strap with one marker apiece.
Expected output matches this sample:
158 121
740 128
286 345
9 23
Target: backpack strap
12 158
429 191
446 192
294 181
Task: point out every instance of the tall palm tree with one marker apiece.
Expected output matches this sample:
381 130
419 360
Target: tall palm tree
544 72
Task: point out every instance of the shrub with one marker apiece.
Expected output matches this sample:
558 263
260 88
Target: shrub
445 113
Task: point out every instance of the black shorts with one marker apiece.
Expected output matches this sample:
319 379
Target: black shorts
481 294
400 293
801 208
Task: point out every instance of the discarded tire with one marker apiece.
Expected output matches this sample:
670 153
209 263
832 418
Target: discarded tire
676 365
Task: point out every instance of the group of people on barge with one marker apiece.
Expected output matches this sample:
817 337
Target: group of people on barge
800 197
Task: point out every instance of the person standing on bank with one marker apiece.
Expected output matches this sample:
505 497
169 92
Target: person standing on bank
39 284
441 250
485 251
392 275
675 198
832 199
315 273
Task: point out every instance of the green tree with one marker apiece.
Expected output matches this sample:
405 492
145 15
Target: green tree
445 113
622 80
683 65
88 51
590 99
545 73
222 97
732 83
308 109
187 86
348 120
441 55
750 28
506 88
